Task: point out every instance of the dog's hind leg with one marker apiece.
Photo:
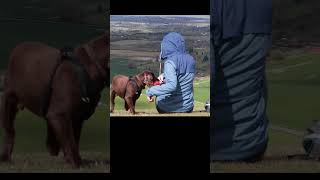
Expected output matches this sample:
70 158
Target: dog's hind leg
134 102
126 106
52 142
130 104
61 124
112 103
8 113
77 127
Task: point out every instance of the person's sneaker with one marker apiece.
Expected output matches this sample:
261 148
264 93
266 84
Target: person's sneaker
207 106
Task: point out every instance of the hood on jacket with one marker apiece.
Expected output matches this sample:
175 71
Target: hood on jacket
173 48
172 43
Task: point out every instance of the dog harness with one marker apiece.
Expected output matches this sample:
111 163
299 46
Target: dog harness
134 79
88 88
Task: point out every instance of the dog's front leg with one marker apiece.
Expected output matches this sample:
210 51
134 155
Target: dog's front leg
8 113
129 101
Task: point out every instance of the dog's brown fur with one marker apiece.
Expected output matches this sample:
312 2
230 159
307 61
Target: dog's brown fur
30 68
130 90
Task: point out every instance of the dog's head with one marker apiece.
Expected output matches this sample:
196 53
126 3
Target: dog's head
95 55
149 78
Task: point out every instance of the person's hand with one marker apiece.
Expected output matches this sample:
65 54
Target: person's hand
161 78
150 99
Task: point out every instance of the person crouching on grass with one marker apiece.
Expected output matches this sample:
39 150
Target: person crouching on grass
175 94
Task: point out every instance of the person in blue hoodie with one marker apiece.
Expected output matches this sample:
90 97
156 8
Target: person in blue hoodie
175 94
240 41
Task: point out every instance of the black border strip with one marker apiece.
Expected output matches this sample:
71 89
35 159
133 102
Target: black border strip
160 7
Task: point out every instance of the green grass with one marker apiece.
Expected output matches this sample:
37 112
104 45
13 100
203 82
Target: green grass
37 163
294 86
202 90
280 146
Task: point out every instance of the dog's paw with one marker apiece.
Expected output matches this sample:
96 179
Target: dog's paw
4 158
53 150
75 163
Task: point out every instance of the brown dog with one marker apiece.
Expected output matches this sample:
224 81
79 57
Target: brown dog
33 67
130 89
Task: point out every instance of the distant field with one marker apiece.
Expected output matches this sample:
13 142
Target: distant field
138 39
136 50
136 45
121 66
294 86
134 55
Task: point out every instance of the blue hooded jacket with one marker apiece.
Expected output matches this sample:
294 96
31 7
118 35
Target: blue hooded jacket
176 94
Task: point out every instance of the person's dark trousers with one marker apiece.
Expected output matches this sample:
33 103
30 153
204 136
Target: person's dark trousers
238 129
160 111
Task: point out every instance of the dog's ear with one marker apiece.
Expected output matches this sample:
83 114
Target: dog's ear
154 78
100 46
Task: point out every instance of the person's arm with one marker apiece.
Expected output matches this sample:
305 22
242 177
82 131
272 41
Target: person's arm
170 84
